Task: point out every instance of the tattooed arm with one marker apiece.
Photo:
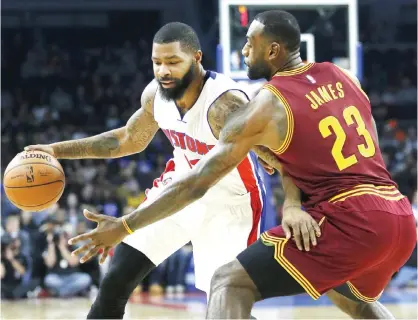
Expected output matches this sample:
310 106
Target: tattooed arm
134 137
254 124
220 112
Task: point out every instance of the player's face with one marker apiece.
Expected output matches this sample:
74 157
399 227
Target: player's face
255 53
174 69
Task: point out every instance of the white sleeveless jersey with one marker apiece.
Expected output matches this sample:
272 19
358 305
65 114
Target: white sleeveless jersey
192 138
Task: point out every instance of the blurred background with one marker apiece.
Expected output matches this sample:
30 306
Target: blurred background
71 69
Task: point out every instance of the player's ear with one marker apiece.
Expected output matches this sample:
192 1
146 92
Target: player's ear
198 56
274 50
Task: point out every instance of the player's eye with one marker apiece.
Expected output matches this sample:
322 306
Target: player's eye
157 63
173 62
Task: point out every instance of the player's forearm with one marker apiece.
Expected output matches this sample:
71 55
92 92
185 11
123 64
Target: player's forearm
267 156
292 195
175 197
105 145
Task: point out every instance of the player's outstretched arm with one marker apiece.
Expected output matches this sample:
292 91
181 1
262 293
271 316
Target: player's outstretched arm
134 137
224 108
254 124
245 129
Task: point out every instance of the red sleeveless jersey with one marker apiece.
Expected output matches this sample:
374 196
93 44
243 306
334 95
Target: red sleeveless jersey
330 144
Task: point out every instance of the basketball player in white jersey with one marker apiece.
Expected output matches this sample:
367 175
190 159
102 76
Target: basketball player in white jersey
190 105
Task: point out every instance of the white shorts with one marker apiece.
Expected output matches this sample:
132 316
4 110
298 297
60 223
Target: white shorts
218 232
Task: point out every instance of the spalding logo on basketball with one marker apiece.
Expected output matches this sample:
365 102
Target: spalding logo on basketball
34 180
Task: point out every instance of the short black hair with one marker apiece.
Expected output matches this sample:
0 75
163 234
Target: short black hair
281 26
181 32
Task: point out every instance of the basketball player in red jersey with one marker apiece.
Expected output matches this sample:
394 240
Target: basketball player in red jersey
319 123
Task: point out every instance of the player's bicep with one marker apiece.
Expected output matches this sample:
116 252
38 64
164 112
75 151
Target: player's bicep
222 159
141 126
223 108
251 121
243 130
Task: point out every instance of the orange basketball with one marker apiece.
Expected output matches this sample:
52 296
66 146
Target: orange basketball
34 180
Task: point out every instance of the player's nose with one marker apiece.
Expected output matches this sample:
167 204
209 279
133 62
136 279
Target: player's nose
163 71
244 51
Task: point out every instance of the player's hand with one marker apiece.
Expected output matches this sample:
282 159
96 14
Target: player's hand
41 147
268 168
304 228
108 233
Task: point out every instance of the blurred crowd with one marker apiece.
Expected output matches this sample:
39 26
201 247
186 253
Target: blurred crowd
55 89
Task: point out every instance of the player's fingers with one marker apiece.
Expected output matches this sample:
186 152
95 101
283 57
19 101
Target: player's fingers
263 163
312 234
268 168
82 237
296 234
286 230
104 255
270 171
317 228
33 147
305 236
90 254
92 216
82 249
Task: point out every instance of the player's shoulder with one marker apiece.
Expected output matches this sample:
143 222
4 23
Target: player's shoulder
148 96
349 74
223 83
226 100
225 92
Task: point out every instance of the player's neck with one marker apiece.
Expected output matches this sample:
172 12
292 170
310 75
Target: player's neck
293 61
192 93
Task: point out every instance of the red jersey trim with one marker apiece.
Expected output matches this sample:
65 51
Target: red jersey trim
293 72
249 179
289 116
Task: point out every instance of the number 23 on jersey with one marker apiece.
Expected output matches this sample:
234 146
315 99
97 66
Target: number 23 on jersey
351 116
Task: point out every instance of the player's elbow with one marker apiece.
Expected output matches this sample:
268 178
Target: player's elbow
129 144
198 192
198 189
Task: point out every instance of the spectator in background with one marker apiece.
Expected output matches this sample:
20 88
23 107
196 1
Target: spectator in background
177 265
12 228
69 90
13 268
156 279
63 278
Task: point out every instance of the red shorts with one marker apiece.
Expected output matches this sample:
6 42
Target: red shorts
365 239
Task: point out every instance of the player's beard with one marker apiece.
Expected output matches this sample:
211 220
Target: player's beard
180 85
258 70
